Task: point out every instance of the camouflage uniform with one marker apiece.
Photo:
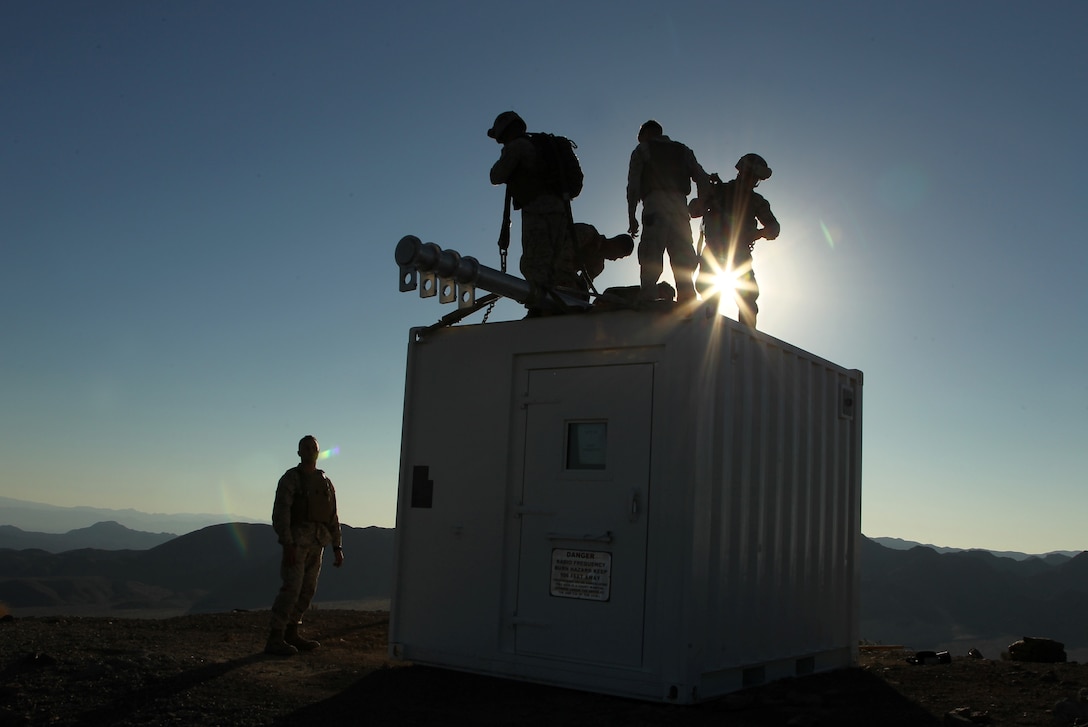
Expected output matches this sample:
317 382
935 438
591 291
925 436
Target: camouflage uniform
731 223
547 252
659 176
304 517
588 241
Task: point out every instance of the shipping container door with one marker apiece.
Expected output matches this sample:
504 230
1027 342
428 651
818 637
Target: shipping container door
582 559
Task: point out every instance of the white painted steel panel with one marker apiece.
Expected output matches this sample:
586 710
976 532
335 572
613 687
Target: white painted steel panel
747 497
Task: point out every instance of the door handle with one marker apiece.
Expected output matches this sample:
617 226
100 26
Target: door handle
605 537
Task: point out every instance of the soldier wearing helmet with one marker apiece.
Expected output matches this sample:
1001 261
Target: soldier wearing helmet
734 217
548 257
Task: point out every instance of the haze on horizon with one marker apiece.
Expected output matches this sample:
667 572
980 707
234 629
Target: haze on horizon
200 205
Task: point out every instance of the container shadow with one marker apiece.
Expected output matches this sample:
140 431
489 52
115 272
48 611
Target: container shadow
418 695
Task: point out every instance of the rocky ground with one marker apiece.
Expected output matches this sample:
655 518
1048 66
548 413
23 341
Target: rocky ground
210 670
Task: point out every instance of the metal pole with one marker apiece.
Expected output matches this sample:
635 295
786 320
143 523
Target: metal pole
452 277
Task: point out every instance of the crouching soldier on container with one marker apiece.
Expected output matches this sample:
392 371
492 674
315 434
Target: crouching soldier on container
593 249
305 520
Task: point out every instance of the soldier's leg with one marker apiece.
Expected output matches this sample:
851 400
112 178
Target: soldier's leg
704 282
747 292
537 249
565 263
291 575
311 558
683 260
312 570
536 258
651 253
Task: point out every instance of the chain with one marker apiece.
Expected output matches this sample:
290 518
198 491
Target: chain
502 266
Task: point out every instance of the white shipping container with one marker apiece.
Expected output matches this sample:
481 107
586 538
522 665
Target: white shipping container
633 503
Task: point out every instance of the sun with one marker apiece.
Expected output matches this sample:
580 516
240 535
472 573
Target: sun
725 283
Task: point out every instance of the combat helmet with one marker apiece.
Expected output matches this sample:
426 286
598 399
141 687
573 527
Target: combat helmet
755 165
507 124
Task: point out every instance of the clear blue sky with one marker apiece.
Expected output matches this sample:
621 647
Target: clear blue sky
199 203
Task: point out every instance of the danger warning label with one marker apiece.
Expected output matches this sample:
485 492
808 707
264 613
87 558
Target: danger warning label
585 574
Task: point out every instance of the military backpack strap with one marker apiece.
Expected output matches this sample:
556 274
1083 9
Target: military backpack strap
300 505
504 231
504 247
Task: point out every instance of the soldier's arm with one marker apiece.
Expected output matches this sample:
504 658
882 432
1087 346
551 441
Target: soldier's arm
698 174
509 159
634 187
281 510
501 170
334 528
771 228
334 523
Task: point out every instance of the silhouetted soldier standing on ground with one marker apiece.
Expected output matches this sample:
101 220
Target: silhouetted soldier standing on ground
305 520
733 213
660 176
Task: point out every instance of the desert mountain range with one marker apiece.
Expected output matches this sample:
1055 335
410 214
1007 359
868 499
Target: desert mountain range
53 519
910 595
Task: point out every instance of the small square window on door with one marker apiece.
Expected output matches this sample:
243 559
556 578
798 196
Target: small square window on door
587 445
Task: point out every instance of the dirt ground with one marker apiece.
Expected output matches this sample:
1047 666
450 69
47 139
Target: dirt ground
210 670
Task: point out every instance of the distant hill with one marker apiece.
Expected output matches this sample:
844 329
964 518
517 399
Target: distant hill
218 568
917 598
1054 556
39 517
102 536
925 599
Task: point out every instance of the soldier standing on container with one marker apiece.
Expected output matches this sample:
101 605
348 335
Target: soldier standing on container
660 176
734 217
305 520
547 248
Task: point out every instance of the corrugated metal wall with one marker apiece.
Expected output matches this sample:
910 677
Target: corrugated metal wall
785 500
753 504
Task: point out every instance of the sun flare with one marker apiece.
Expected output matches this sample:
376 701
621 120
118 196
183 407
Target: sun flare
725 283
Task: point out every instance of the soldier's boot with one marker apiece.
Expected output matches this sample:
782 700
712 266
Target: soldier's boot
277 646
685 291
683 295
292 637
746 311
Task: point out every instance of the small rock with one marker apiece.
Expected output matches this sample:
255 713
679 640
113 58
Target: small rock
966 715
37 659
1039 650
1069 710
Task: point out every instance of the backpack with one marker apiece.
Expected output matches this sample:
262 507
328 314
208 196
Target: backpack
665 167
560 171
